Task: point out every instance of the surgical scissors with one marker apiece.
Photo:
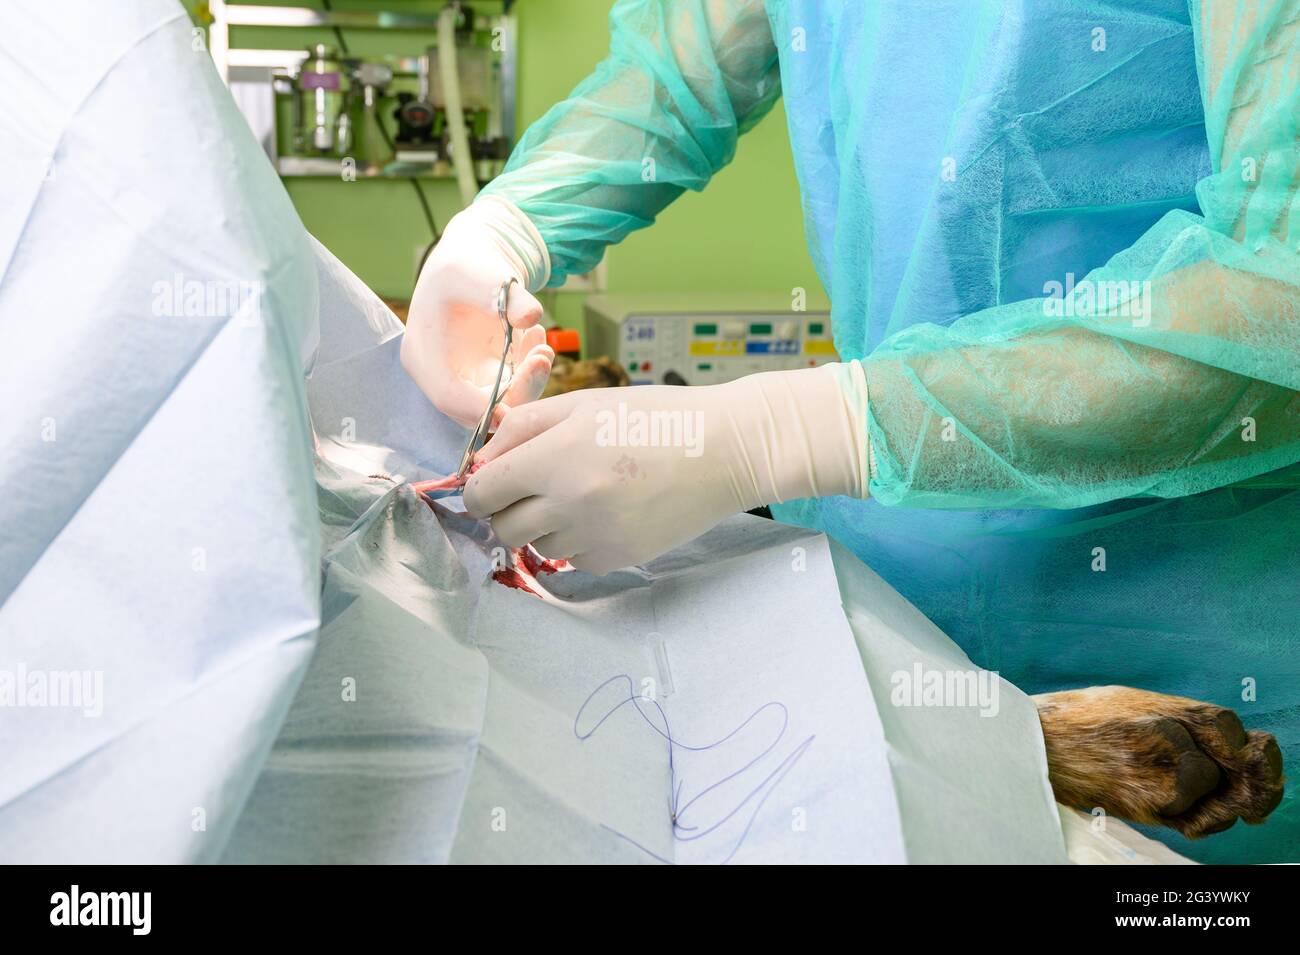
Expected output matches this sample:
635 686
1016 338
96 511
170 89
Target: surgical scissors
479 437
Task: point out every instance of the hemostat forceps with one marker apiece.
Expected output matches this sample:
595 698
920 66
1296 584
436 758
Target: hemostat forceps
479 437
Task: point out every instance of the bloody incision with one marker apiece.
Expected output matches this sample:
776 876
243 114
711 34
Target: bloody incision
448 483
536 564
527 565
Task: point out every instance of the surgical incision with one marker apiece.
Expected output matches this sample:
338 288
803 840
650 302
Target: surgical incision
525 564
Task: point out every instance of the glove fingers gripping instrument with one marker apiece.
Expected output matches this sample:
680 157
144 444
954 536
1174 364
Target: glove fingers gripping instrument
479 437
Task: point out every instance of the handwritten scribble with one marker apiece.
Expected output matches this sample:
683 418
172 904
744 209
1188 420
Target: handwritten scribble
678 807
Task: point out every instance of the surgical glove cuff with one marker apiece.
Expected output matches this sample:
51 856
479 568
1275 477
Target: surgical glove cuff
515 235
799 434
852 380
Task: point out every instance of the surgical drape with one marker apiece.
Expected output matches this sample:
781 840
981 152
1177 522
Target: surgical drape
159 532
1063 238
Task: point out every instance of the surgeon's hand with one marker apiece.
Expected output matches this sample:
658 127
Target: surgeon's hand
453 337
616 476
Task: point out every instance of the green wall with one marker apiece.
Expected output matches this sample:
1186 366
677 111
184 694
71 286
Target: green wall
743 233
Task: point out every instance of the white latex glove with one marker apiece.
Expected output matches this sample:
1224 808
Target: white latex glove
578 477
453 337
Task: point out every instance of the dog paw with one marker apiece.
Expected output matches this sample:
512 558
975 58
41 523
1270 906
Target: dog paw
1159 759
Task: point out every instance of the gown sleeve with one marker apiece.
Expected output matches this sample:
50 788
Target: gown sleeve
660 115
1173 369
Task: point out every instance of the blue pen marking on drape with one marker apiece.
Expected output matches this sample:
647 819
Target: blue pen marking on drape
676 808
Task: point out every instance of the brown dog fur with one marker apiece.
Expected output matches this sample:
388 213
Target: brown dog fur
1158 759
568 374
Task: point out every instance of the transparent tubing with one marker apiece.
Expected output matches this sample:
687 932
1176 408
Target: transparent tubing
450 74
